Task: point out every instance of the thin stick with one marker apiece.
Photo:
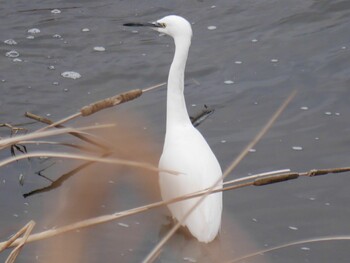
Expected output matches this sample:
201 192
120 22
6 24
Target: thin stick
153 87
34 135
80 147
152 255
86 158
311 240
78 135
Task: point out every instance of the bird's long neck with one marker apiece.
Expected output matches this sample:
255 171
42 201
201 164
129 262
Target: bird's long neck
176 106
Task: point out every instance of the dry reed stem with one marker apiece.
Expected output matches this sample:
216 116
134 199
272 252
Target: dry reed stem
117 215
103 104
146 166
75 134
75 146
27 229
152 255
12 128
34 135
106 218
311 240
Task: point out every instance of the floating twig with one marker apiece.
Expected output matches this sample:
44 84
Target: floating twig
201 116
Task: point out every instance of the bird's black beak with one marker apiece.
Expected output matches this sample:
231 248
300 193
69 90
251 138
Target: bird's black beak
153 24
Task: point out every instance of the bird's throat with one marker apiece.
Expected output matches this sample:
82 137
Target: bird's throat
176 105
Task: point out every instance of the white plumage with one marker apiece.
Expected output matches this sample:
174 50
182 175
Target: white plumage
185 149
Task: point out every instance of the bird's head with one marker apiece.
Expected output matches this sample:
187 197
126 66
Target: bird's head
174 26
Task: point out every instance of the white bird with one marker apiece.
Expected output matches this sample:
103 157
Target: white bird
185 149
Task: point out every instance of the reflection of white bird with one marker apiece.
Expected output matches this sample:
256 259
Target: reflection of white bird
185 149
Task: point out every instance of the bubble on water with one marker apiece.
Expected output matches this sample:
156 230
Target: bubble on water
252 150
328 113
297 148
123 224
100 48
223 141
34 31
194 105
305 248
57 36
55 83
21 179
65 90
254 40
51 67
274 60
337 114
134 31
56 11
312 198
213 6
85 29
17 60
30 37
304 108
189 259
255 220
71 75
211 27
10 42
238 62
327 204
343 47
228 82
12 54
15 215
293 228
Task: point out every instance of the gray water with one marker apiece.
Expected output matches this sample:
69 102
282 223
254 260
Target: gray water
246 58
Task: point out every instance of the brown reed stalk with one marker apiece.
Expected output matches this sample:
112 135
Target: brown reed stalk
146 166
104 104
27 229
301 242
76 134
34 135
233 184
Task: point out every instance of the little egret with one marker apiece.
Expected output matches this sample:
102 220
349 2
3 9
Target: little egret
185 149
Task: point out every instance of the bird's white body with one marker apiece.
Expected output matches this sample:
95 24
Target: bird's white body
185 149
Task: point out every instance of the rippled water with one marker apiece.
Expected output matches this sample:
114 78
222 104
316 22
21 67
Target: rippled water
246 58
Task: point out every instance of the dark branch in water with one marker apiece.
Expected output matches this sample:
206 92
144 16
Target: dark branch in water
57 183
201 116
